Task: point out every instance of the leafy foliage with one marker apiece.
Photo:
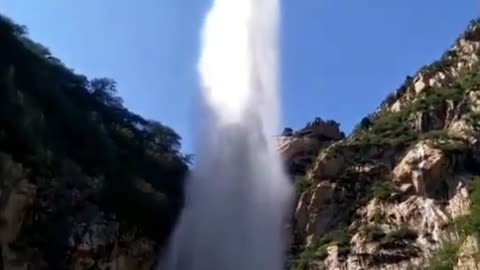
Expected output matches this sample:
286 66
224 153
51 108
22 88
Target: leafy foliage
50 115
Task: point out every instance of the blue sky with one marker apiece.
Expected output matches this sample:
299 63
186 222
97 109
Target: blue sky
340 58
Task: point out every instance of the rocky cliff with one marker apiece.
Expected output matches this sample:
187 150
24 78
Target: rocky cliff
403 190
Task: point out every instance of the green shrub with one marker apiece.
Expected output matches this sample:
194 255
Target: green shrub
439 95
445 258
382 189
318 249
470 224
442 141
403 232
473 119
373 233
471 79
398 237
301 184
451 147
393 127
436 134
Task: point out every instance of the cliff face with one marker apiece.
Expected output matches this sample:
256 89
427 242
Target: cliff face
402 191
84 183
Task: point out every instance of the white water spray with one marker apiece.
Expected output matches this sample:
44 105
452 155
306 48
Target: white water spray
238 196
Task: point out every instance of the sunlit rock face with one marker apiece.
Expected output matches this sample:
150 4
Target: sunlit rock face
398 191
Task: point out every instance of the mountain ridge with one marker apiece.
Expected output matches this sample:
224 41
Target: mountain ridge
383 197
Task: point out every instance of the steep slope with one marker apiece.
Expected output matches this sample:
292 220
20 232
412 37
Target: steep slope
402 191
84 183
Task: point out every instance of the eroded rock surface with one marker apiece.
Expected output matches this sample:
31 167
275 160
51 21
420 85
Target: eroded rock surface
397 193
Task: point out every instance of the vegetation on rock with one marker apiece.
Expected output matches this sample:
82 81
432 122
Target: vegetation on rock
445 258
318 248
382 189
69 136
301 184
470 224
400 234
397 128
440 111
373 233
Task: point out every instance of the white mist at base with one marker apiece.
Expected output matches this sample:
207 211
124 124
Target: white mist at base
238 195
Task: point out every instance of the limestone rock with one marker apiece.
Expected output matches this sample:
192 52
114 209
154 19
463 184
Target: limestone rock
468 256
381 199
327 165
300 147
422 168
315 210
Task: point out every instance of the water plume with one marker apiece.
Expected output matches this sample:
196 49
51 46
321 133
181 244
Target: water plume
238 195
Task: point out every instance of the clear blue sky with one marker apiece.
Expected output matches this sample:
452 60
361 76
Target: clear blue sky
340 58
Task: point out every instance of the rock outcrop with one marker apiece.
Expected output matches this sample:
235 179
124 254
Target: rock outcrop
402 191
300 147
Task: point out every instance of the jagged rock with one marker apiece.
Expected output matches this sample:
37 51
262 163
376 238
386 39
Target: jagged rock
419 84
315 210
422 169
90 241
423 215
322 130
463 54
468 255
298 148
407 182
290 147
461 130
90 235
327 165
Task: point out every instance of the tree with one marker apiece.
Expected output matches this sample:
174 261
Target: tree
105 90
163 137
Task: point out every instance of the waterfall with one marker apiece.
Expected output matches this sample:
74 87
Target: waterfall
238 195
